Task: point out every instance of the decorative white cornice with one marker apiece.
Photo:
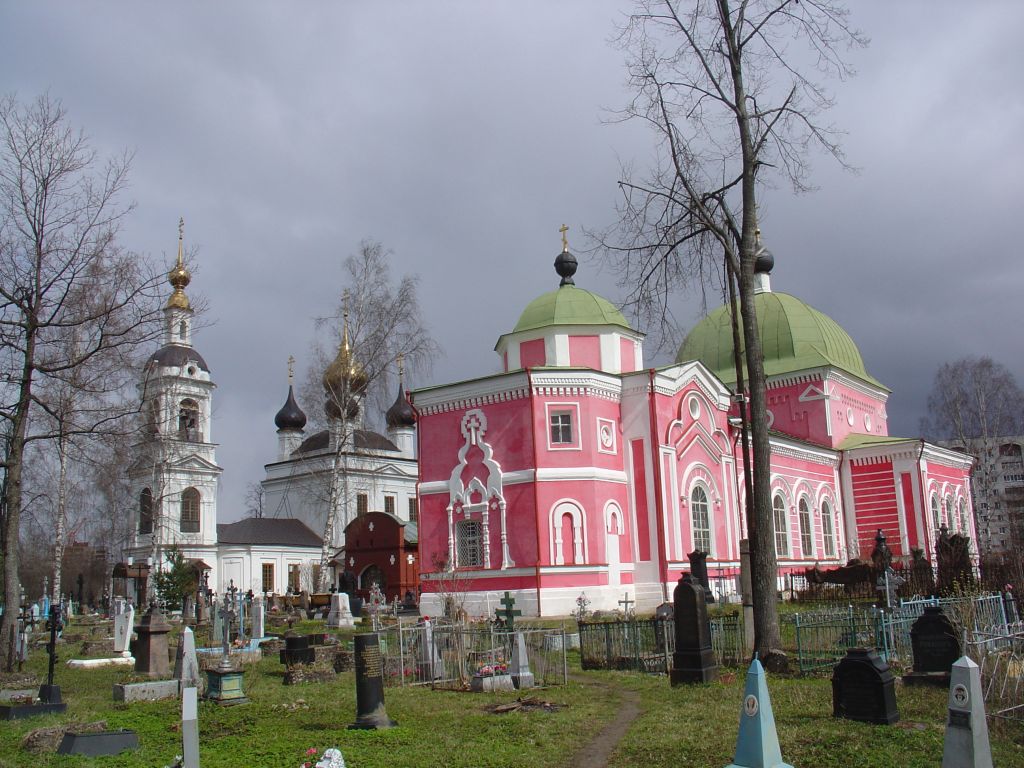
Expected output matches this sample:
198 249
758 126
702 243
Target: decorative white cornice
674 378
581 474
947 456
873 454
793 449
459 396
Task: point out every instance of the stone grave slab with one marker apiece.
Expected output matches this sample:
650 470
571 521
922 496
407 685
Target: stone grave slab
370 711
694 658
936 647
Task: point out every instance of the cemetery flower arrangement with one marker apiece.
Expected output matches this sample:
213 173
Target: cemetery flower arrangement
490 669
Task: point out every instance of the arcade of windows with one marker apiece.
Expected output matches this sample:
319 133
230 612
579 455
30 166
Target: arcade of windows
188 520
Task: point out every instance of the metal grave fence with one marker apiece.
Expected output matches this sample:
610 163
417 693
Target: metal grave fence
448 655
647 645
1000 656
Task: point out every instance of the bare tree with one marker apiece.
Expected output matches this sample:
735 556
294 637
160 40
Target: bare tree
254 497
378 323
62 275
973 397
725 88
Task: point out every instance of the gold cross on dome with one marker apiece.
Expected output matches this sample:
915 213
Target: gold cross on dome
565 241
181 228
291 369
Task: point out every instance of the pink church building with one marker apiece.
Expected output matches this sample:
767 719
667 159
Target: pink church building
579 470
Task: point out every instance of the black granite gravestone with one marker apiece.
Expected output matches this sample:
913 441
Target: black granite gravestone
936 647
864 688
296 650
693 660
370 712
699 569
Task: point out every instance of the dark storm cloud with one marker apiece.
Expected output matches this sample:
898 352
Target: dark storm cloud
462 135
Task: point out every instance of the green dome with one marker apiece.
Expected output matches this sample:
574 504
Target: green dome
794 337
569 305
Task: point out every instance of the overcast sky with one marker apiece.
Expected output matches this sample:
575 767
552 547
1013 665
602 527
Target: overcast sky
463 134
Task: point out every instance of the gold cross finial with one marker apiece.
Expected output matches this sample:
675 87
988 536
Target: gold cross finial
181 237
401 365
565 241
291 369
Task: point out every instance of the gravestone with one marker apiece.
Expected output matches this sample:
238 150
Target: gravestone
188 610
189 728
757 745
296 650
151 647
694 659
370 712
699 569
259 629
966 744
864 688
203 609
224 682
340 614
431 667
218 625
124 619
935 646
186 664
519 669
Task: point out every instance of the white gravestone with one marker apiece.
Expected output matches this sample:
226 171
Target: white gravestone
431 665
341 612
190 728
186 664
123 625
258 621
522 677
966 744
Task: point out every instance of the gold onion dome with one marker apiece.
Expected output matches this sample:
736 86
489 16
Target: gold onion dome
344 380
179 277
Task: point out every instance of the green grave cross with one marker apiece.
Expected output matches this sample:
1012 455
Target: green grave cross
507 616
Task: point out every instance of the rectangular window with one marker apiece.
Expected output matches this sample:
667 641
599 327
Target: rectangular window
268 577
389 504
561 428
414 510
470 553
362 504
293 577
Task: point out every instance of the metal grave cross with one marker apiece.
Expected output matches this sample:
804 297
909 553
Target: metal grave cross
625 602
507 616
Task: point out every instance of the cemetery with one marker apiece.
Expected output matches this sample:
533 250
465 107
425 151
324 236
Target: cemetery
388 688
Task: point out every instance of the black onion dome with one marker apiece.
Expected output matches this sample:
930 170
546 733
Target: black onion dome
290 416
565 266
176 355
764 260
401 413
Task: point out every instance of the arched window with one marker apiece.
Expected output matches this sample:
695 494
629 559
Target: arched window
182 329
806 532
779 521
568 535
701 519
936 515
188 420
146 511
827 535
469 544
373 575
964 527
948 509
190 511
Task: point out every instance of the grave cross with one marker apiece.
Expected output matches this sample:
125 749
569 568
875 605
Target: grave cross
625 602
226 614
507 616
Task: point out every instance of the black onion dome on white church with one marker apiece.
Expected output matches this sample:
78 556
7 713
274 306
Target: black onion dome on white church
291 416
401 413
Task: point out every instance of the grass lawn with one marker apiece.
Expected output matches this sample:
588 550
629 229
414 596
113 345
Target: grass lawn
692 726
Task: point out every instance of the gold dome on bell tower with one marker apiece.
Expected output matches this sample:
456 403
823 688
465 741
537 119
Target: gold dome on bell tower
179 277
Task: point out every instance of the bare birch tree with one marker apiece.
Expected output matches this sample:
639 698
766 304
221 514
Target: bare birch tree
973 397
726 89
378 322
62 276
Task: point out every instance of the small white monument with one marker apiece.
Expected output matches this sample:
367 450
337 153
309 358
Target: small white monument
341 612
966 744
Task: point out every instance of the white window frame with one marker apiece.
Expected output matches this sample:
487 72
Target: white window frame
572 410
699 487
463 542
